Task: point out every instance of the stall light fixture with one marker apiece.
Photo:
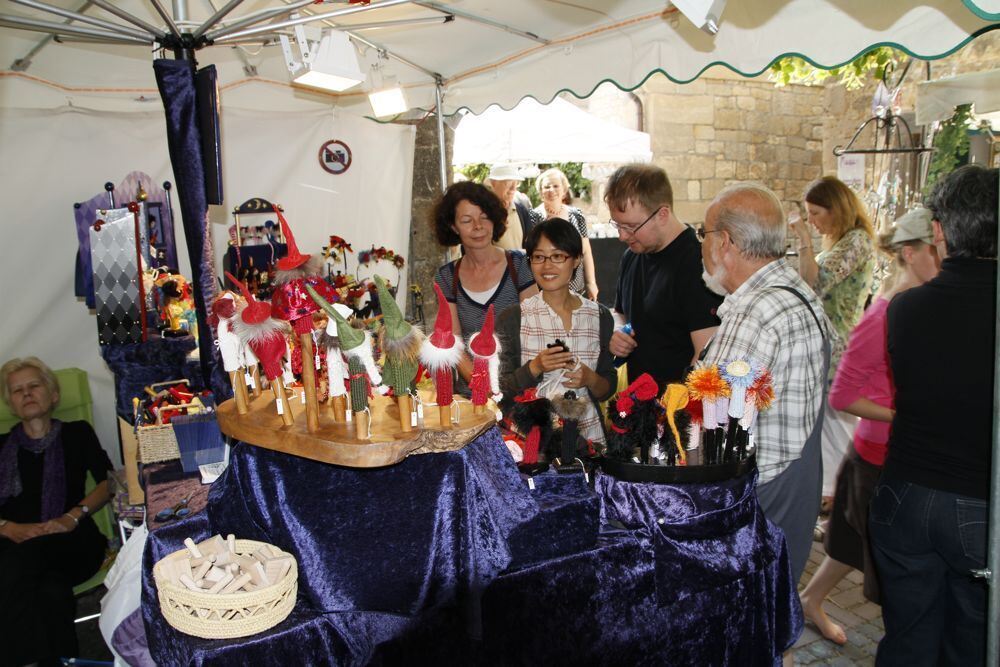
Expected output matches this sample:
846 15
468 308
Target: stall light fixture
388 100
705 14
334 64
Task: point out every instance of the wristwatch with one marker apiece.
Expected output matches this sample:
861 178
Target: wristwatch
84 509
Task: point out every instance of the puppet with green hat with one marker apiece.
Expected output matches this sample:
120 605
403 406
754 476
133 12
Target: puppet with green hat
356 345
400 342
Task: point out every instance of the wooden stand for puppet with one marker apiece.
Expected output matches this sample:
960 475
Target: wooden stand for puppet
239 391
309 381
444 415
339 406
281 399
255 375
339 444
405 405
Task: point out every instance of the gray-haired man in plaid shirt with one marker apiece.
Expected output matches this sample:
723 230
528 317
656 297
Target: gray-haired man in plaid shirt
772 317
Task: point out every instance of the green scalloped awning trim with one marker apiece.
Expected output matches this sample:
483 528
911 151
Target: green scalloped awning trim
980 12
749 75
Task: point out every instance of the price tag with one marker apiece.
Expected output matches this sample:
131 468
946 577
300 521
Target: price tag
303 396
317 362
281 406
248 380
413 419
499 416
531 483
349 415
420 410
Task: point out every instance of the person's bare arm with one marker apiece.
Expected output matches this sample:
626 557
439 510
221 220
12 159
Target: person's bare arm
868 409
589 273
699 339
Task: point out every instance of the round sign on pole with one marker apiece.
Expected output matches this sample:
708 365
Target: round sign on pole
335 156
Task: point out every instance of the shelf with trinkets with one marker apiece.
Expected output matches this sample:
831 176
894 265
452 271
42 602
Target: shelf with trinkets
255 248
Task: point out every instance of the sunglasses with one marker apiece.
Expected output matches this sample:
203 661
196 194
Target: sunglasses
178 511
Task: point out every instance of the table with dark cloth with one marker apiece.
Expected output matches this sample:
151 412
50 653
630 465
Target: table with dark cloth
453 558
139 365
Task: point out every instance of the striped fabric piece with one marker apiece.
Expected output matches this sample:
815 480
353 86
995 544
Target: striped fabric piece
540 326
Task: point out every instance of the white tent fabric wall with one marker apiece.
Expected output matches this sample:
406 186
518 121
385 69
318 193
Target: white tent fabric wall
557 132
51 159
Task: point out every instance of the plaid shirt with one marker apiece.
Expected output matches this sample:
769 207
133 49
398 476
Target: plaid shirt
772 327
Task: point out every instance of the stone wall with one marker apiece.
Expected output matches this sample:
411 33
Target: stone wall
721 129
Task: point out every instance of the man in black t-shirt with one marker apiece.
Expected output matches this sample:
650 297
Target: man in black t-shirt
660 289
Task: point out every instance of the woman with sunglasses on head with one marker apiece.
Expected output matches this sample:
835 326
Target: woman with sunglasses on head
530 356
841 275
471 215
553 188
48 542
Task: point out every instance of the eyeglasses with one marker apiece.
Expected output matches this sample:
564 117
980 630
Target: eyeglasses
555 258
630 230
701 232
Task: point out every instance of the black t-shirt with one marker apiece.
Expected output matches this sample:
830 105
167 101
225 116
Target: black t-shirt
82 452
664 297
941 347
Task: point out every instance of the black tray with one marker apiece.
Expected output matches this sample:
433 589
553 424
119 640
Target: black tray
627 471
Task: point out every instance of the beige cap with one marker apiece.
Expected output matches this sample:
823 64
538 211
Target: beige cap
915 225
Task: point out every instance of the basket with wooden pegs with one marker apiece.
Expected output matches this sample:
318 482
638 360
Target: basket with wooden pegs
226 588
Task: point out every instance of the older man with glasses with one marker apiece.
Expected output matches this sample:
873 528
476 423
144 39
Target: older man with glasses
661 294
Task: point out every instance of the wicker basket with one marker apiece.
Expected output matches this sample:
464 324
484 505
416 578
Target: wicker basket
229 615
157 442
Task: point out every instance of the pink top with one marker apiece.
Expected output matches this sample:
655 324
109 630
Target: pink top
863 372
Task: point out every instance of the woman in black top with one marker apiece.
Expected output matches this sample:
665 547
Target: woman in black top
471 215
48 542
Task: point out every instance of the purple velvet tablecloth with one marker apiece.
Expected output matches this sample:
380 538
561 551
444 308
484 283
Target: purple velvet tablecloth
452 559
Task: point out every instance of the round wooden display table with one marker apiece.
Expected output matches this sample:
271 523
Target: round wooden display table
339 443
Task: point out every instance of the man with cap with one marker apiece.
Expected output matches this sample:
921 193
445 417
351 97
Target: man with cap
503 180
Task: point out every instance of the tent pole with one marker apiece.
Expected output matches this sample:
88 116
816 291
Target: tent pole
256 18
438 97
353 9
216 17
24 23
83 18
122 14
166 18
475 18
24 62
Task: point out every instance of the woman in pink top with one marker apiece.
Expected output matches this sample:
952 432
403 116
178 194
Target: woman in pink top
862 387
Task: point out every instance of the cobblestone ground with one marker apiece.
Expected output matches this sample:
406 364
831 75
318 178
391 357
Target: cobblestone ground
861 620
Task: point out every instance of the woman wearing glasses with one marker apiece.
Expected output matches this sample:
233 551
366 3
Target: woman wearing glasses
527 332
553 188
473 216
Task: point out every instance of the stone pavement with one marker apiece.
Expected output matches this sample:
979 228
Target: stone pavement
861 620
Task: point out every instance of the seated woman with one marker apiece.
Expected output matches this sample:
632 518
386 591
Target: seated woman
471 215
48 542
555 249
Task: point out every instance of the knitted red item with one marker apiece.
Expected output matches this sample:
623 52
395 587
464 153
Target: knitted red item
479 383
269 350
531 444
442 382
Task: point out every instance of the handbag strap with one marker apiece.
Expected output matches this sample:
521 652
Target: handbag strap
511 269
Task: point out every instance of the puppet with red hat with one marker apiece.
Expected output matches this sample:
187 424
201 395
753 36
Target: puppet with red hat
440 354
224 311
485 349
265 336
291 302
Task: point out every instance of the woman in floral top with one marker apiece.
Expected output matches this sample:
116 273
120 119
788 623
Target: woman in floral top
841 276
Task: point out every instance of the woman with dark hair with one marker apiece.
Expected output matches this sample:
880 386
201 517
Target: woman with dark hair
48 542
471 215
583 362
841 276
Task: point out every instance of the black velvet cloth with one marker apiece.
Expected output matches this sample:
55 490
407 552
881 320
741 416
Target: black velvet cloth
138 365
451 558
176 82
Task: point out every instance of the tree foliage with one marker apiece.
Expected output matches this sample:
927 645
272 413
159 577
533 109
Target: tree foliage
951 145
853 75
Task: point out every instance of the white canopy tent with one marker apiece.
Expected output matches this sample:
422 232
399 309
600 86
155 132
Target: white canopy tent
490 53
936 100
556 132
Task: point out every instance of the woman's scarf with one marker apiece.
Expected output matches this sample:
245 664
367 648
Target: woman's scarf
53 468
